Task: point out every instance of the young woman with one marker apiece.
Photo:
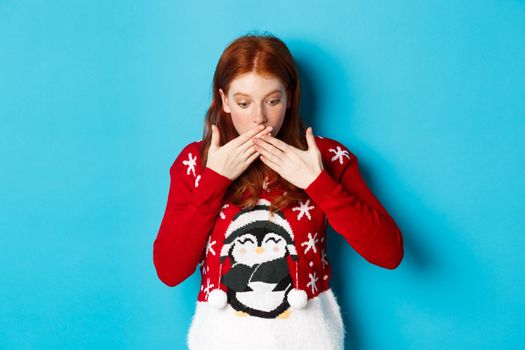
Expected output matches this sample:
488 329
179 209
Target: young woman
249 204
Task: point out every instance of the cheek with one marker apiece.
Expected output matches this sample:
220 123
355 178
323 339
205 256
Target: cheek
277 114
276 249
242 250
240 121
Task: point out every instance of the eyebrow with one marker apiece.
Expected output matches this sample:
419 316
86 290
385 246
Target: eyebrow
240 93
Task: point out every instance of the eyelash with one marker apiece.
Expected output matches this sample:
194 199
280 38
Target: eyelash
273 104
276 240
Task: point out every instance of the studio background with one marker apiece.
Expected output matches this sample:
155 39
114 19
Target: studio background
97 98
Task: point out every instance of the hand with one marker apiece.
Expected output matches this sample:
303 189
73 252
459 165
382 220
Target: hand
232 159
298 167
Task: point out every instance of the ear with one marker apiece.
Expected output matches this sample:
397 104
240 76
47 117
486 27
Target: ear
224 99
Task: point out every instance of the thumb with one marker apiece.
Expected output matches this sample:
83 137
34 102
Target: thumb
215 136
310 138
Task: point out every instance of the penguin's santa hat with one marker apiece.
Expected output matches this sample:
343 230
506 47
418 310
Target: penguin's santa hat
259 217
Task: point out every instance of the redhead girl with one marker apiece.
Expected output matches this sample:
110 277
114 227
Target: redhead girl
249 205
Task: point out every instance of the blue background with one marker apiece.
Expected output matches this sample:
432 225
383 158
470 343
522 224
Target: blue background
97 98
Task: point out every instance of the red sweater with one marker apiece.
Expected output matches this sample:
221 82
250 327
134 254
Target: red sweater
196 218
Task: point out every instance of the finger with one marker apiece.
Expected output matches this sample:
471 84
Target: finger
248 152
249 142
310 138
253 157
244 148
265 131
246 136
215 136
271 164
269 151
280 145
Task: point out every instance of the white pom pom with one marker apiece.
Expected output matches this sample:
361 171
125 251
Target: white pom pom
297 298
217 298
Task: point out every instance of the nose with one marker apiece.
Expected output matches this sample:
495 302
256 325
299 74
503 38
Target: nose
260 115
259 250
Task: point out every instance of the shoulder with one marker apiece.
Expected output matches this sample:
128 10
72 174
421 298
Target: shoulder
189 156
336 156
335 150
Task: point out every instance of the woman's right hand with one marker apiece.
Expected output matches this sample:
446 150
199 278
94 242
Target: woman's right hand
233 158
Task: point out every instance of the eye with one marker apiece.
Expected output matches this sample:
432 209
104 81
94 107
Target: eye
248 239
242 104
276 240
274 102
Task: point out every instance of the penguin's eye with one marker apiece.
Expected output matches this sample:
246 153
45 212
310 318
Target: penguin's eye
276 240
248 239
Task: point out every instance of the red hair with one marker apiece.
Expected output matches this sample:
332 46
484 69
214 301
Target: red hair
268 56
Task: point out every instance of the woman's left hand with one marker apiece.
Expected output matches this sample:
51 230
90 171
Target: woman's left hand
296 166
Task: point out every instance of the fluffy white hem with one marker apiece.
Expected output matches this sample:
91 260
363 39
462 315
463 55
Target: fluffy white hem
318 325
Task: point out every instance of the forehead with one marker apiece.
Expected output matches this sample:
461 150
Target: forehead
255 84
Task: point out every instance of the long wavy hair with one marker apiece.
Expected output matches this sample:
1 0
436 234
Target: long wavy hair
266 55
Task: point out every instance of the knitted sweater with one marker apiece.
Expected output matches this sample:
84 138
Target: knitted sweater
266 278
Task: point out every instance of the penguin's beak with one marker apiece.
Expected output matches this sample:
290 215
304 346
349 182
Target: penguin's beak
259 250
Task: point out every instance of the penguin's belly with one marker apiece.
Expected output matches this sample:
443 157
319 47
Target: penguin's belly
262 297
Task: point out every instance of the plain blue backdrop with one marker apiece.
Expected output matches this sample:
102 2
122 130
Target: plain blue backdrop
97 98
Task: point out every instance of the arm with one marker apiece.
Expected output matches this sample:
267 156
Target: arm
188 219
355 213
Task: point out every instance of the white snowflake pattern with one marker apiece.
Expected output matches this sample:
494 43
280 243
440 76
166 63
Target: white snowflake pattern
197 180
209 246
190 163
303 209
313 280
339 153
310 243
208 288
221 214
324 261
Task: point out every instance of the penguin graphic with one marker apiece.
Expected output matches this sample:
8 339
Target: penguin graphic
258 243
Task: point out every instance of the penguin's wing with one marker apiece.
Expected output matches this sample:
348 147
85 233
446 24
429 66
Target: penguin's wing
284 284
237 277
272 271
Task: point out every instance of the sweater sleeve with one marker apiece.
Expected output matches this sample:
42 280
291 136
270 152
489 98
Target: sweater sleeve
192 207
354 212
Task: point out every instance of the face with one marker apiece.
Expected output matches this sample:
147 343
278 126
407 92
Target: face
253 100
248 250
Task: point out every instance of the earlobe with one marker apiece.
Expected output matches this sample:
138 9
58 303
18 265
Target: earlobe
224 99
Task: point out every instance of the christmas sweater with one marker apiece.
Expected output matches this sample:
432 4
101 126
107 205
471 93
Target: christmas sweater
265 278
